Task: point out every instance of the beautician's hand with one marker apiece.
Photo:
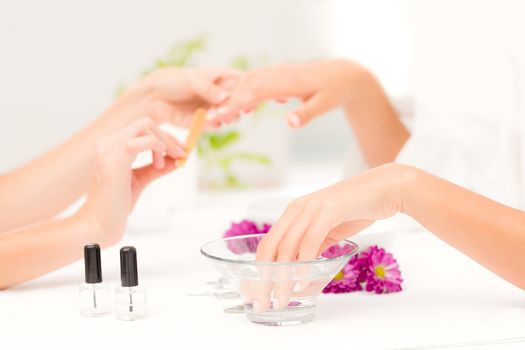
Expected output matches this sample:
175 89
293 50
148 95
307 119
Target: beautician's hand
322 86
173 94
115 186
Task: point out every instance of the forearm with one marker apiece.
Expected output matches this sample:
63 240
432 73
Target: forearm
488 232
50 183
376 124
33 251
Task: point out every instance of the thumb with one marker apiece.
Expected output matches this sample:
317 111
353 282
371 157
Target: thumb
209 92
314 106
343 231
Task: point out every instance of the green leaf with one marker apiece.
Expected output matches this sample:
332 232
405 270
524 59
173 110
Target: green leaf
241 62
247 156
220 141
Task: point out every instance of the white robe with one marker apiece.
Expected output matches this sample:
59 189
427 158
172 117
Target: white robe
469 92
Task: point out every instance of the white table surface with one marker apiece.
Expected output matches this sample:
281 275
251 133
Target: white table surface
447 298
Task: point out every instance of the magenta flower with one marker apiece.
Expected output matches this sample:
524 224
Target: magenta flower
245 227
348 279
382 271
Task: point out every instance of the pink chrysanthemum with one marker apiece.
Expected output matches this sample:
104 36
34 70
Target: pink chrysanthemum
348 279
245 227
382 271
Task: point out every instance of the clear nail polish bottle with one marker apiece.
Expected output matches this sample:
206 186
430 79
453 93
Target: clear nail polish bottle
94 294
130 298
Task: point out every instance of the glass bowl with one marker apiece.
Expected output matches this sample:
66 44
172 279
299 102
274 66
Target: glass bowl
274 293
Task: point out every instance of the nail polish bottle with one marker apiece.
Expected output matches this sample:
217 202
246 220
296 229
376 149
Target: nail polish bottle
131 298
94 294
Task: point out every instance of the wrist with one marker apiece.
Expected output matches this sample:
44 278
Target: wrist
90 229
404 180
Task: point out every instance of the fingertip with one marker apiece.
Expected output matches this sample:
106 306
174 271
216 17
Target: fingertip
294 121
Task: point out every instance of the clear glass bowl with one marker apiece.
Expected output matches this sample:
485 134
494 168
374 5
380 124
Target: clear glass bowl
274 293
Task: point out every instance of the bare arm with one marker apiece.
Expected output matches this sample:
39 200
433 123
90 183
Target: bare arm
32 251
488 232
48 184
376 124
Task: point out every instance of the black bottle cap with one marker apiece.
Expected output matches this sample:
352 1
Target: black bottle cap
92 263
128 267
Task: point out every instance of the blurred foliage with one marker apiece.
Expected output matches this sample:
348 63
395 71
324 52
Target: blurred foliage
241 62
180 54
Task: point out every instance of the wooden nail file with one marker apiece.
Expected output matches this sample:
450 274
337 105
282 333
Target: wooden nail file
197 124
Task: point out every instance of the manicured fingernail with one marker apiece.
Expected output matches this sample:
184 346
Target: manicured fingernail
222 110
275 304
221 96
257 306
294 121
212 114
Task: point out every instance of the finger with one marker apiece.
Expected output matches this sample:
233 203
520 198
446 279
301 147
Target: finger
228 83
289 245
218 73
138 127
267 248
158 159
327 243
259 85
287 251
147 174
208 91
314 236
238 102
261 289
314 106
176 149
249 110
146 143
343 231
211 121
283 287
312 240
281 99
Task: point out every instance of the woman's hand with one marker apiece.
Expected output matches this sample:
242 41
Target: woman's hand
322 86
312 223
173 94
115 186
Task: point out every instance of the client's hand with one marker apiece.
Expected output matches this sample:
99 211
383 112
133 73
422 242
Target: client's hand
115 186
312 223
322 86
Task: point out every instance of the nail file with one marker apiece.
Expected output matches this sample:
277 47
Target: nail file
197 123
